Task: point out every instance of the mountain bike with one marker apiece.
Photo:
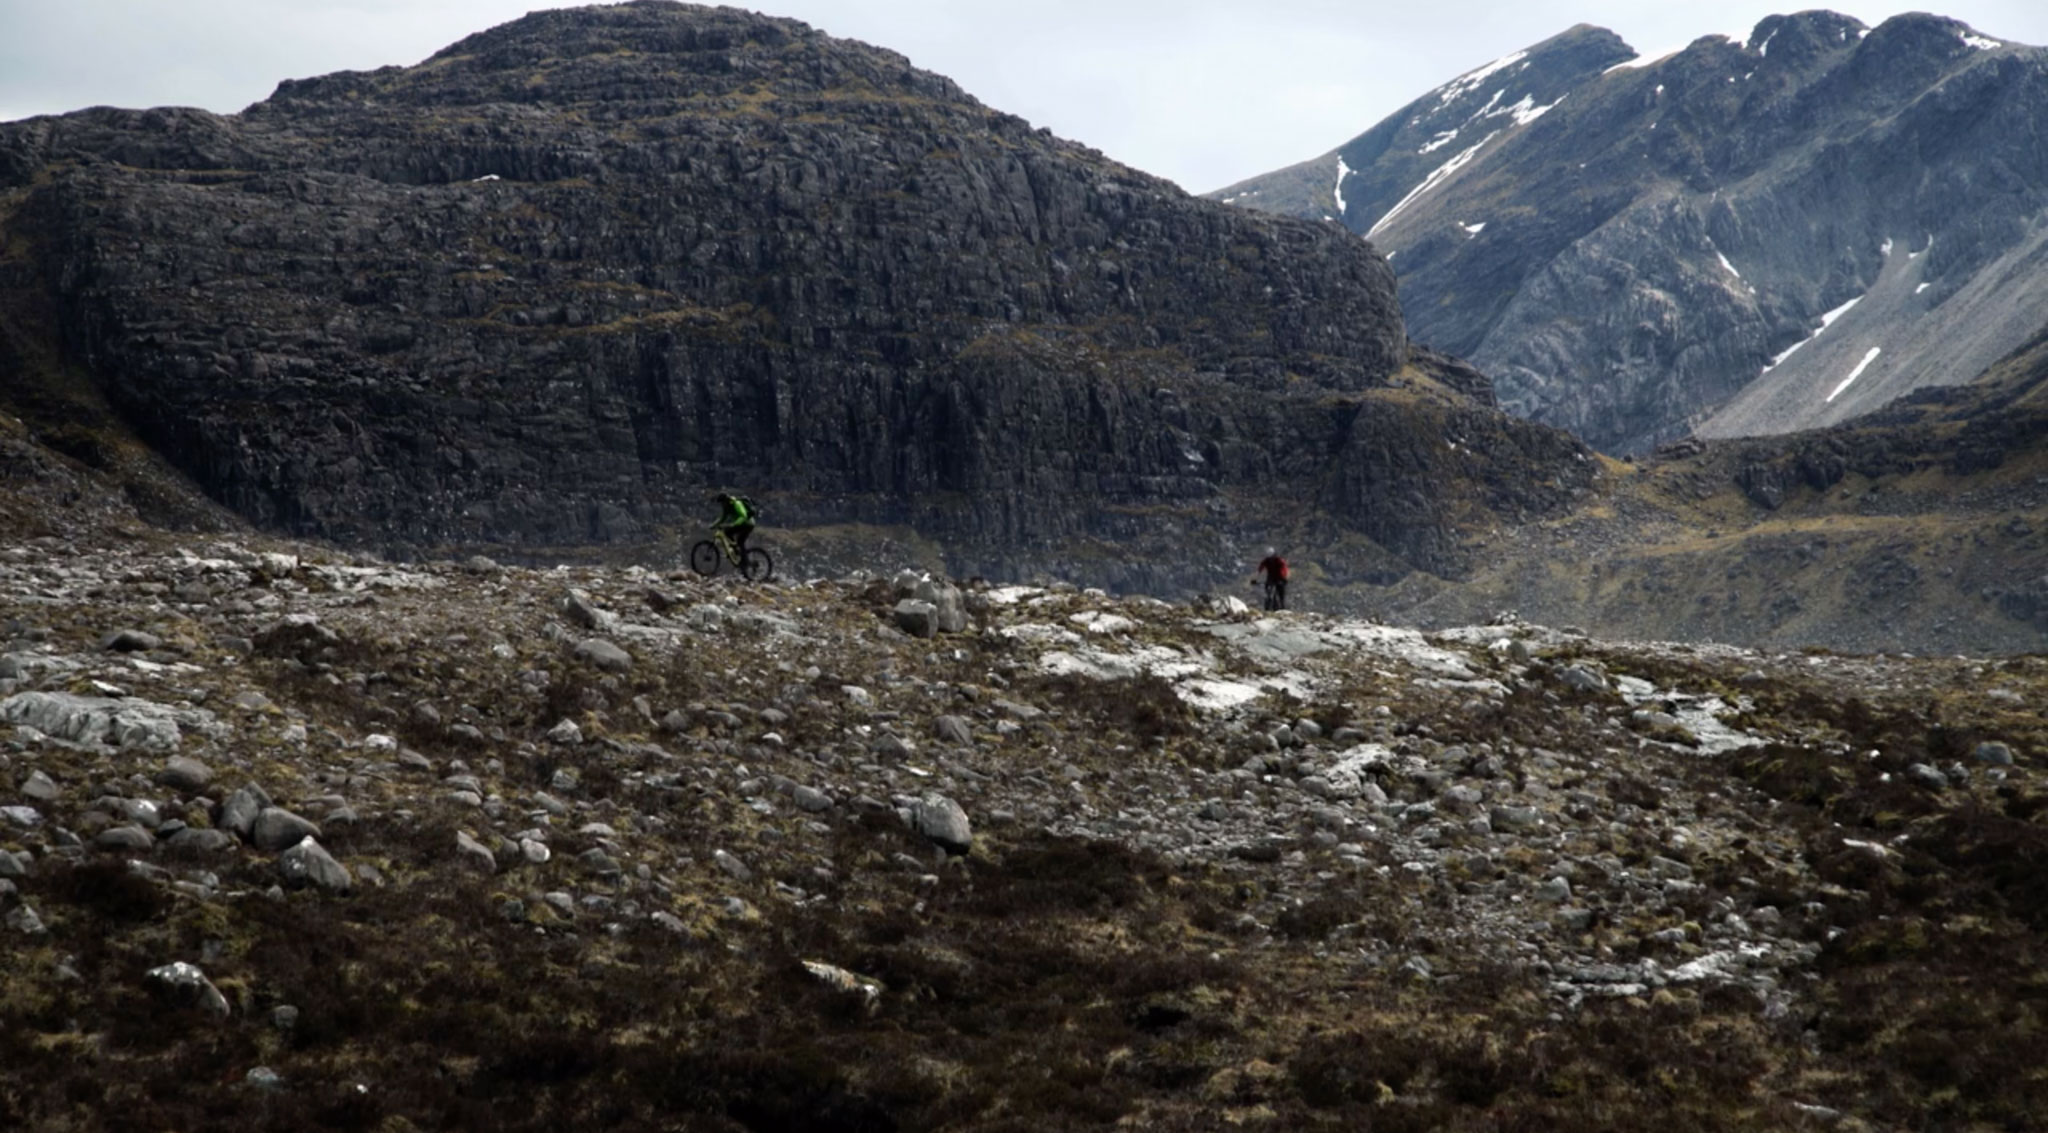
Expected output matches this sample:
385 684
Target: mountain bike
755 565
1275 595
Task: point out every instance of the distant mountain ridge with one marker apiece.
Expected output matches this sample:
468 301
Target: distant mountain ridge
1736 239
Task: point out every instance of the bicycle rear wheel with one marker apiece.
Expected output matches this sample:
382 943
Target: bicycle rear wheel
704 557
756 565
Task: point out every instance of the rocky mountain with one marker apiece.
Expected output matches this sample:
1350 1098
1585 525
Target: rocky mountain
290 837
553 285
1740 238
1920 528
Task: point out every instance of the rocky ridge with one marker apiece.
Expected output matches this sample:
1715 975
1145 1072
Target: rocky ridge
461 841
551 286
1727 240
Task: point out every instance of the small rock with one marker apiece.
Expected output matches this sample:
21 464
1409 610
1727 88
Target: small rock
40 787
1994 752
1583 679
858 696
954 730
671 922
1265 850
197 840
26 817
1516 819
598 862
23 920
284 1016
309 863
839 979
130 641
185 984
603 654
1556 891
239 813
263 1078
918 619
567 732
1927 777
124 838
474 854
481 564
578 608
534 851
251 701
732 865
277 829
185 774
811 799
944 822
11 865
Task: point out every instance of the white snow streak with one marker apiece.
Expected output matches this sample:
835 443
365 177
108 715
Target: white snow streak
1922 287
1857 372
1885 249
1343 171
1525 111
1826 321
1438 142
1726 264
1642 61
1435 178
1981 43
1765 47
1473 229
1467 83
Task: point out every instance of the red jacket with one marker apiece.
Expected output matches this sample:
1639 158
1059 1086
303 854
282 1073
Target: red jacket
1274 567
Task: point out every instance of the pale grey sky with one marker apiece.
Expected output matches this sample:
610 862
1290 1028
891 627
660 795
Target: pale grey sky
1205 92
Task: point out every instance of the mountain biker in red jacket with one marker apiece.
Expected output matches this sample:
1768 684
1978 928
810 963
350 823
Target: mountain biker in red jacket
1275 569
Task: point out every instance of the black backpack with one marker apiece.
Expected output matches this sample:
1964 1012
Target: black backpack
753 510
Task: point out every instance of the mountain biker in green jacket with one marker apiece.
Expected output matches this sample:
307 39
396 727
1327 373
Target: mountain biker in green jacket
737 522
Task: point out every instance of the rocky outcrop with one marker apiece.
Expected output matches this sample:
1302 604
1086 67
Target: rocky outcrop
1739 238
557 282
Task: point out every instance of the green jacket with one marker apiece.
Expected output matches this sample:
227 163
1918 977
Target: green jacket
736 513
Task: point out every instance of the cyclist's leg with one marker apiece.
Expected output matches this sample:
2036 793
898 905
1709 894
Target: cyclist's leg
739 538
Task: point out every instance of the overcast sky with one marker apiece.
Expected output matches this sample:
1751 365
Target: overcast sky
1205 92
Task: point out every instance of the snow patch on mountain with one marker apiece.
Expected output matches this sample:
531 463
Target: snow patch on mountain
1470 81
1826 321
1857 372
1435 178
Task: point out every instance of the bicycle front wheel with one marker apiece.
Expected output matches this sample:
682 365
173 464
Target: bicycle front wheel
704 558
756 565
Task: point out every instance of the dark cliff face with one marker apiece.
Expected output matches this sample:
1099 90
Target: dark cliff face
1641 259
555 283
